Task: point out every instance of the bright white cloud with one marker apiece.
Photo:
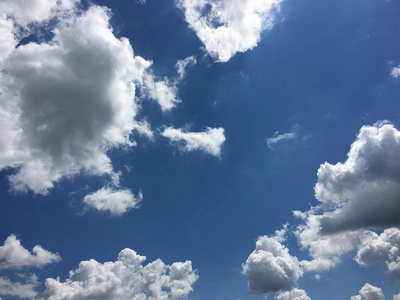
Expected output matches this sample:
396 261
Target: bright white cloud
395 72
25 12
209 141
277 138
162 91
396 296
270 267
14 256
295 294
67 102
182 64
229 26
19 289
383 249
117 202
125 278
369 292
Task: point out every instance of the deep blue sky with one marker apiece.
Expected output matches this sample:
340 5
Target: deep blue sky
323 71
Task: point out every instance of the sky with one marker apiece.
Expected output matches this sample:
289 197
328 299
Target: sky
199 149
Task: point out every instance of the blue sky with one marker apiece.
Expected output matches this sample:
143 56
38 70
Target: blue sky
266 166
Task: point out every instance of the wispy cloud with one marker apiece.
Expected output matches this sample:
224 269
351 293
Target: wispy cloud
277 138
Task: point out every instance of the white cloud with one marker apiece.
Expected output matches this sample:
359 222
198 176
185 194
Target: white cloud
229 26
182 64
22 290
395 72
360 193
25 12
14 256
125 278
277 138
369 292
366 185
396 296
67 102
117 202
383 249
295 294
209 141
270 267
162 91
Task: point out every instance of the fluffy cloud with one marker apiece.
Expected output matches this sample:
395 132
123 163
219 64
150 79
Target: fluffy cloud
383 249
369 292
209 141
14 256
25 12
117 202
270 267
65 103
277 138
22 290
125 278
396 297
229 26
366 185
295 294
395 72
360 193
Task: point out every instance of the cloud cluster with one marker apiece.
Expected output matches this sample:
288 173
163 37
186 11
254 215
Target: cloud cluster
226 27
369 292
14 256
383 249
125 278
361 193
295 294
117 202
395 72
209 141
270 267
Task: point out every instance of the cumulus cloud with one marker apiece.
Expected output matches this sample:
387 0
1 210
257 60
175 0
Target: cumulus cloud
209 141
270 267
14 256
229 26
369 292
19 289
125 278
65 103
366 185
295 294
395 72
117 202
182 64
396 296
361 193
277 138
383 249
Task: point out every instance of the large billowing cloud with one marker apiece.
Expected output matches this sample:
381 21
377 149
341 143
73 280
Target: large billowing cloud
209 141
14 256
295 294
369 292
270 267
66 102
229 26
383 249
117 202
361 193
125 278
364 191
